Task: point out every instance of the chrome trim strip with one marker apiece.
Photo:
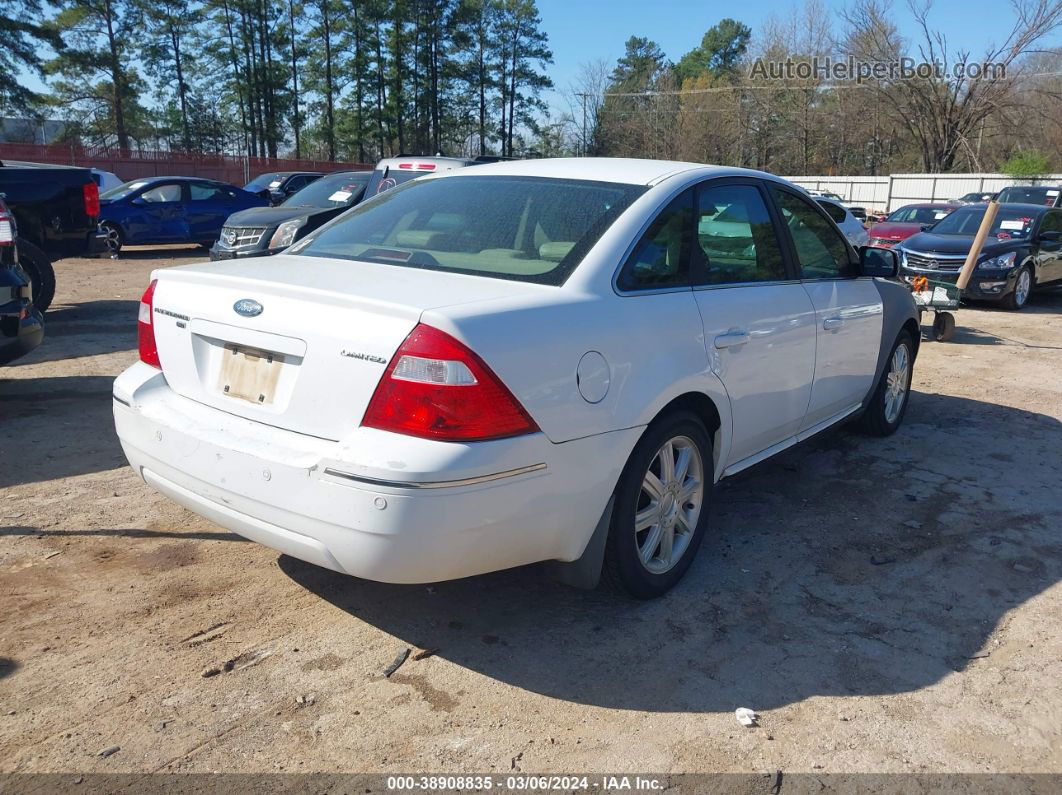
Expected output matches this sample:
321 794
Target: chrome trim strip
434 484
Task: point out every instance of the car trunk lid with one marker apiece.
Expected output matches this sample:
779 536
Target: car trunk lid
295 342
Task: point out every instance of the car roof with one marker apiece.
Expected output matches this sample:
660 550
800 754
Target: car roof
601 169
930 205
390 161
1042 208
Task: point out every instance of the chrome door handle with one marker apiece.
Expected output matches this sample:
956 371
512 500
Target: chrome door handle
732 338
832 323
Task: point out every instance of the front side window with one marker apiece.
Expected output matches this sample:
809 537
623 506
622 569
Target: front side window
820 249
518 228
735 240
1052 222
162 193
659 259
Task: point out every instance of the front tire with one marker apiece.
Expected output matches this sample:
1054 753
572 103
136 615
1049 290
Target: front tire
889 402
41 274
1023 285
661 508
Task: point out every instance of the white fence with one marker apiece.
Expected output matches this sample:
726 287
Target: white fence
896 190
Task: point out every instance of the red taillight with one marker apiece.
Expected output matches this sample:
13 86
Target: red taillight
149 353
91 194
437 388
7 226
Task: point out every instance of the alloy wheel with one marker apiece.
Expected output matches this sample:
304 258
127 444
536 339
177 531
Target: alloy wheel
1022 288
897 382
669 504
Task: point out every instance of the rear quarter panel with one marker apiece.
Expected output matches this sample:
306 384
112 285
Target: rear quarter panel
653 345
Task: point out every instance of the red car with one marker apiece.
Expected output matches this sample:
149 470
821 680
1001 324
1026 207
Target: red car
908 220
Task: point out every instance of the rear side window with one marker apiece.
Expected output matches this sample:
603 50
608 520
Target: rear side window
519 228
201 192
659 259
735 241
820 249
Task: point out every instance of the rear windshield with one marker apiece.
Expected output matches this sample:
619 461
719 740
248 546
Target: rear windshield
1029 195
919 215
386 178
1009 223
333 190
518 228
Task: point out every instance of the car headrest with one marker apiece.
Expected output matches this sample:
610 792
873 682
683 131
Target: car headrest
555 251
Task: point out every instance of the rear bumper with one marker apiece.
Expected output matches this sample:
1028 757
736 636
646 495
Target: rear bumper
20 336
376 505
220 254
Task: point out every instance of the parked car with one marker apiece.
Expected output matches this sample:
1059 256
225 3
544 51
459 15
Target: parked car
262 231
844 218
276 186
394 171
169 210
906 221
977 197
1045 195
825 194
1023 252
106 180
55 208
526 361
21 324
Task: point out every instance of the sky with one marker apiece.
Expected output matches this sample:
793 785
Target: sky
581 31
585 30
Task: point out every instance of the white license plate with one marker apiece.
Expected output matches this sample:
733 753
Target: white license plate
250 374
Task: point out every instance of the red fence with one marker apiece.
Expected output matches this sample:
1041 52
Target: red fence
150 163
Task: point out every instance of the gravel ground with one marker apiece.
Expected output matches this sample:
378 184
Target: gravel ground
885 605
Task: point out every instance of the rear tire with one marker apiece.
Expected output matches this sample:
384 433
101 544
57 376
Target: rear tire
888 405
661 510
115 237
39 269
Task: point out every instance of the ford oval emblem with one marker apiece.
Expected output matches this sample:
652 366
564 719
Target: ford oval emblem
247 307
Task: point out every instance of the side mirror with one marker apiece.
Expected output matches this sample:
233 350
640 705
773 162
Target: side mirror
277 196
881 262
1050 236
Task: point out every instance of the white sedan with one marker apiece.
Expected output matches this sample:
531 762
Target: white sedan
549 360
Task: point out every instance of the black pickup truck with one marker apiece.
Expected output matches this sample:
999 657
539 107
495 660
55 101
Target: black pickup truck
55 208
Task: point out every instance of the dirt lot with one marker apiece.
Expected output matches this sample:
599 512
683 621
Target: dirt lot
885 605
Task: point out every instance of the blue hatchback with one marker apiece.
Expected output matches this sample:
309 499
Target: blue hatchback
170 210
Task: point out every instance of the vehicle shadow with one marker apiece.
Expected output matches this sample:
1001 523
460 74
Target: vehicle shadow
154 252
7 667
31 411
86 329
846 566
130 532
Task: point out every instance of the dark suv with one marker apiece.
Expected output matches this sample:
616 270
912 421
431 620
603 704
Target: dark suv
21 324
279 185
262 231
1023 251
1044 195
